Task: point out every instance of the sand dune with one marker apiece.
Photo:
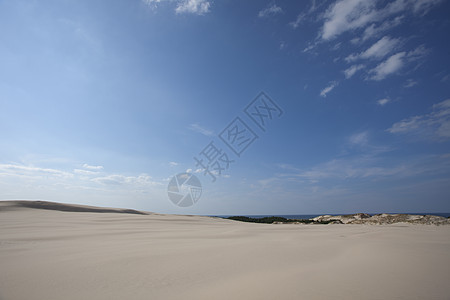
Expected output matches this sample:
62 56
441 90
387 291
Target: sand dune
62 252
14 205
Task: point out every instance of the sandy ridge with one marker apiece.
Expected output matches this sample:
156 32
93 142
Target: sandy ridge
17 204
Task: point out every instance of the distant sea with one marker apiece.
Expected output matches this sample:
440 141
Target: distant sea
446 215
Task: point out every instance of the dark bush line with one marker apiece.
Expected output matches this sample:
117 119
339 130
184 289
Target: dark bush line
270 220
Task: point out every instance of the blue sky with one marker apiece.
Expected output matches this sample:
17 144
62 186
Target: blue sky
101 103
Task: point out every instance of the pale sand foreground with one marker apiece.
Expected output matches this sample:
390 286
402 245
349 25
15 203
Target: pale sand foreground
47 254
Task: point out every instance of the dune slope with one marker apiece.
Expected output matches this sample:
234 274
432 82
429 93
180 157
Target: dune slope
60 254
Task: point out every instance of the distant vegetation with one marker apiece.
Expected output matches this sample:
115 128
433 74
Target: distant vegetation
359 218
270 220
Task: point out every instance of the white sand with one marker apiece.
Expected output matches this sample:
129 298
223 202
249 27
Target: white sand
47 254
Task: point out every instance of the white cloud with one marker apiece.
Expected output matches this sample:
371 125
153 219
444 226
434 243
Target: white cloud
355 40
117 179
32 172
18 181
352 70
328 89
369 166
304 15
359 139
270 11
378 50
149 2
395 62
84 172
423 6
297 21
374 30
410 83
173 164
55 176
336 46
434 126
89 167
348 15
348 168
309 47
198 7
383 102
152 3
197 128
389 66
418 53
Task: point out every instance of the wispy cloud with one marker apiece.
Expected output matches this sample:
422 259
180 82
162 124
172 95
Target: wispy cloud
310 47
32 171
369 163
271 10
89 167
359 139
418 53
117 179
198 7
305 14
363 167
84 172
410 83
197 128
348 15
396 62
445 78
433 126
297 21
48 181
349 72
328 89
336 47
362 20
152 3
374 30
377 51
173 164
356 167
383 102
389 66
422 7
